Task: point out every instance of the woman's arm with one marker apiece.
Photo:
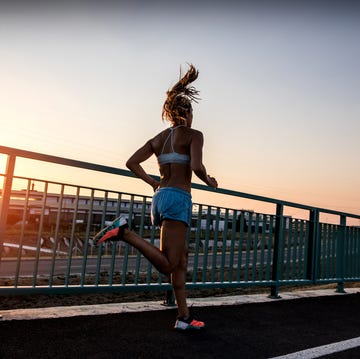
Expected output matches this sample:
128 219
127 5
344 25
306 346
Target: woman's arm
133 164
197 165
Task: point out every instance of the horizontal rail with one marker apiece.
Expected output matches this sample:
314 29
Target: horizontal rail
118 171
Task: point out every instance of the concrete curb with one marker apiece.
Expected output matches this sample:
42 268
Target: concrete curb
113 308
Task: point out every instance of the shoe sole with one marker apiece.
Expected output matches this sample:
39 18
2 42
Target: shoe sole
108 235
190 327
109 232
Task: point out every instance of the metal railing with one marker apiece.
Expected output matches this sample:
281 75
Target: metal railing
46 245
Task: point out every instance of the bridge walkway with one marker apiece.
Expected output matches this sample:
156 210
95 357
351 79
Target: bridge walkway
304 324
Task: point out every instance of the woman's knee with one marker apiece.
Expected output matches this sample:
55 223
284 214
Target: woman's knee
180 266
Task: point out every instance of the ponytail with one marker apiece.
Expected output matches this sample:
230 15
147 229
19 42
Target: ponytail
180 96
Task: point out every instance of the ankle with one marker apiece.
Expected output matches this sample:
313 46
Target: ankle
183 316
125 234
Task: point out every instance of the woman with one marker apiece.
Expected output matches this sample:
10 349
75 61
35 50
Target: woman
179 153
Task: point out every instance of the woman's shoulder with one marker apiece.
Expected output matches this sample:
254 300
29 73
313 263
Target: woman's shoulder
157 141
185 130
160 134
196 133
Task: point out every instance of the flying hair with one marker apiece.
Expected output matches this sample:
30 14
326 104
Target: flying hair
180 96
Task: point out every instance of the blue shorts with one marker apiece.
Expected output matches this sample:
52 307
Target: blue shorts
171 203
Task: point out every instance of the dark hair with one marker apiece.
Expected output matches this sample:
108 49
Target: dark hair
179 98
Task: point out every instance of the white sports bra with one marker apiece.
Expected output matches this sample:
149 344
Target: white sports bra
172 157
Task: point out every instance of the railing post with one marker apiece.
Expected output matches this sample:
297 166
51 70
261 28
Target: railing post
340 255
278 247
169 301
5 197
312 250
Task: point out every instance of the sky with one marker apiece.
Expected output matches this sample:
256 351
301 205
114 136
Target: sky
279 85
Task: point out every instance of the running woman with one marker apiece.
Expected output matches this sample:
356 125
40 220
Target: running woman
179 152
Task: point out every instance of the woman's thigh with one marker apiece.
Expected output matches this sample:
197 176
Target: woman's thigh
173 241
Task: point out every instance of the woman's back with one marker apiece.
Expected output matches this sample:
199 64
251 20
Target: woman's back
172 147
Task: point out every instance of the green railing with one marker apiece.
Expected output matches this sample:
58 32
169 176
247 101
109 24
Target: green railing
46 245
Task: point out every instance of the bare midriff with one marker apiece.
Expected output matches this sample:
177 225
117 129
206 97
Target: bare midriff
176 175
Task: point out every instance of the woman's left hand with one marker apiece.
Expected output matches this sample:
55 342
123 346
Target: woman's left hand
212 182
155 186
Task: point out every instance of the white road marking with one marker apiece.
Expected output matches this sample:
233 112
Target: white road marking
323 350
30 248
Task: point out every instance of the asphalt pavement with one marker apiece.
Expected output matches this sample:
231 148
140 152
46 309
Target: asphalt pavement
302 324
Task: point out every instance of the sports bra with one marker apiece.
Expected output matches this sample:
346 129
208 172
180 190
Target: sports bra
172 157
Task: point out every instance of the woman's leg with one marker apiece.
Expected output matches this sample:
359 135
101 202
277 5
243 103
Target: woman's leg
173 245
171 258
152 253
178 280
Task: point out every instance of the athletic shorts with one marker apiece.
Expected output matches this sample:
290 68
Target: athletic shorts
171 203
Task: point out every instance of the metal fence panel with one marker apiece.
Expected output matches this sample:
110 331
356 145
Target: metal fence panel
46 240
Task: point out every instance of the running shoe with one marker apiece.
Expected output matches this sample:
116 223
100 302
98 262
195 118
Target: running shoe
187 324
113 232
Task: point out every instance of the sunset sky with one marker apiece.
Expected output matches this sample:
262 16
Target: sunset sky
279 82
